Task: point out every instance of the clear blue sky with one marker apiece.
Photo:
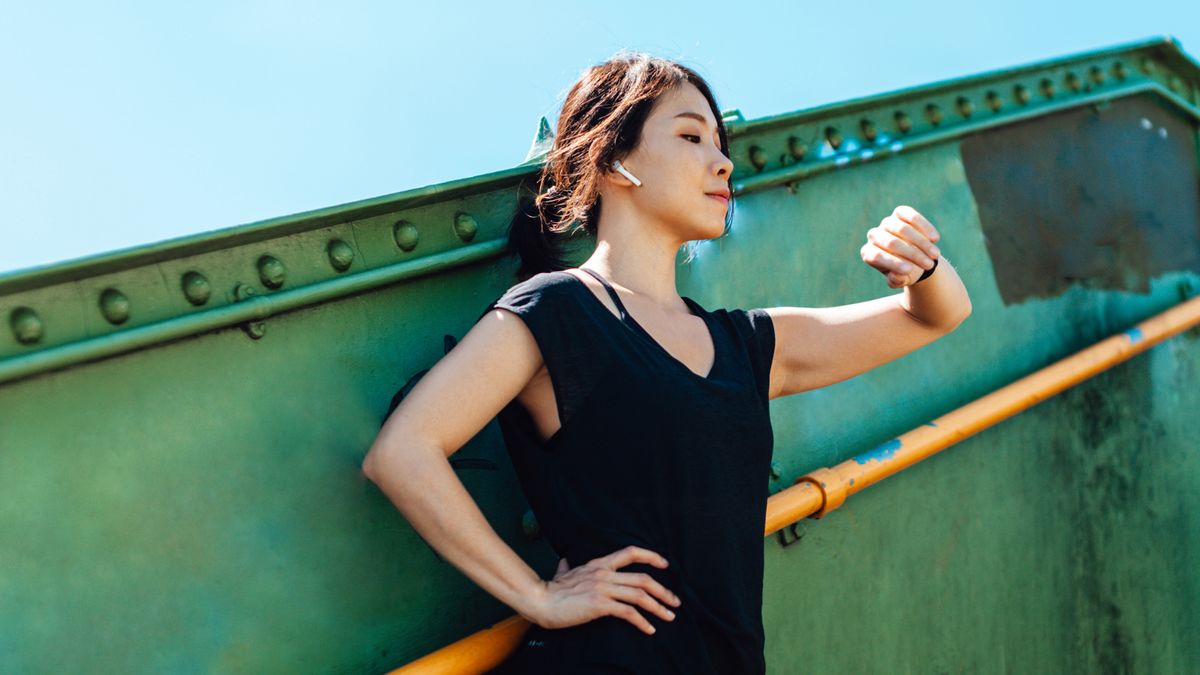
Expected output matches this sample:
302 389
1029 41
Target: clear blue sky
130 122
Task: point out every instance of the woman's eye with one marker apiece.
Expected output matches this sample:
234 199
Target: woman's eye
692 136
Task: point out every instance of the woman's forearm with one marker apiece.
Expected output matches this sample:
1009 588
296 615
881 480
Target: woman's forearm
939 300
422 484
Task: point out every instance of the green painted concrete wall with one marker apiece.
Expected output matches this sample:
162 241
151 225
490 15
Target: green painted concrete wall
195 504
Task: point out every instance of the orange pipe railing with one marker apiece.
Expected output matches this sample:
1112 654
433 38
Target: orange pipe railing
821 491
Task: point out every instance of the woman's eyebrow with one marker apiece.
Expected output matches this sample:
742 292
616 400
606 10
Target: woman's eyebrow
696 116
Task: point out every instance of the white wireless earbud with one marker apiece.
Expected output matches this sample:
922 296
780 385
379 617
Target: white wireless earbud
625 172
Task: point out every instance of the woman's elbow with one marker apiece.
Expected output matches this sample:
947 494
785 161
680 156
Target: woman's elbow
379 456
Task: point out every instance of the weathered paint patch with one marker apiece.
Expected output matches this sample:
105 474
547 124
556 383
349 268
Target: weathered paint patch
1135 335
1126 205
880 452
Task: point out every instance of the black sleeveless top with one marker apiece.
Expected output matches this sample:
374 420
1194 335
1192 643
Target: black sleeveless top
652 454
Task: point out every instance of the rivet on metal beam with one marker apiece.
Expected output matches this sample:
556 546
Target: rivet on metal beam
271 271
341 255
1175 84
965 107
196 288
1021 94
934 114
758 157
834 137
465 227
1072 82
1096 74
1118 70
868 130
255 329
797 147
242 292
26 325
114 306
993 101
406 235
1147 65
903 124
1047 88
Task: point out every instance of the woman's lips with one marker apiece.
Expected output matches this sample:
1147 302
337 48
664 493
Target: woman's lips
719 198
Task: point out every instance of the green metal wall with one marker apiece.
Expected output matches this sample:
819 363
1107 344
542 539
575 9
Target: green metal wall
180 489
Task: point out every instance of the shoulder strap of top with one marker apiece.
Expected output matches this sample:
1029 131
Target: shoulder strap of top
608 287
573 353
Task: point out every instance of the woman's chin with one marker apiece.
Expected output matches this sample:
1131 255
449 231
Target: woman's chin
709 231
714 232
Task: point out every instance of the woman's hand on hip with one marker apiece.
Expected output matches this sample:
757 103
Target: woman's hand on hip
580 594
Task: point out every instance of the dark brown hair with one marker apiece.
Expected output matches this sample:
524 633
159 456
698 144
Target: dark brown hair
601 120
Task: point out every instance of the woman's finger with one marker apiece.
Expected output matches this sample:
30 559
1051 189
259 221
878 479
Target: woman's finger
632 554
909 233
884 261
625 611
910 215
897 280
636 596
648 583
902 248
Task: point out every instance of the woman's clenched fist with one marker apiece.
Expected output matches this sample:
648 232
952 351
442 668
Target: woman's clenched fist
901 247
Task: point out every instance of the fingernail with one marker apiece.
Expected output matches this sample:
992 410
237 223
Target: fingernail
653 630
670 614
936 252
904 267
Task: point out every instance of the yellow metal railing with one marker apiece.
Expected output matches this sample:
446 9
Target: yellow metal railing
821 491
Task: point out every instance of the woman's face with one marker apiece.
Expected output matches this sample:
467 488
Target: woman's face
679 161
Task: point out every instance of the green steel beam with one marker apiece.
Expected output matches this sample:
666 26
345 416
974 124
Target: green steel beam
97 306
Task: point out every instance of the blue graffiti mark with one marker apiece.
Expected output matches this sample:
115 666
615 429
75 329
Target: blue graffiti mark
842 161
852 481
867 154
1135 335
931 424
851 145
880 452
897 146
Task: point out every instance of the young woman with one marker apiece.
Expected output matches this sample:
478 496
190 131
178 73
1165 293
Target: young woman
637 420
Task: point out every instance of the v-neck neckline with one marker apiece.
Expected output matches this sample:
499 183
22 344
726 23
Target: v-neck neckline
627 320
